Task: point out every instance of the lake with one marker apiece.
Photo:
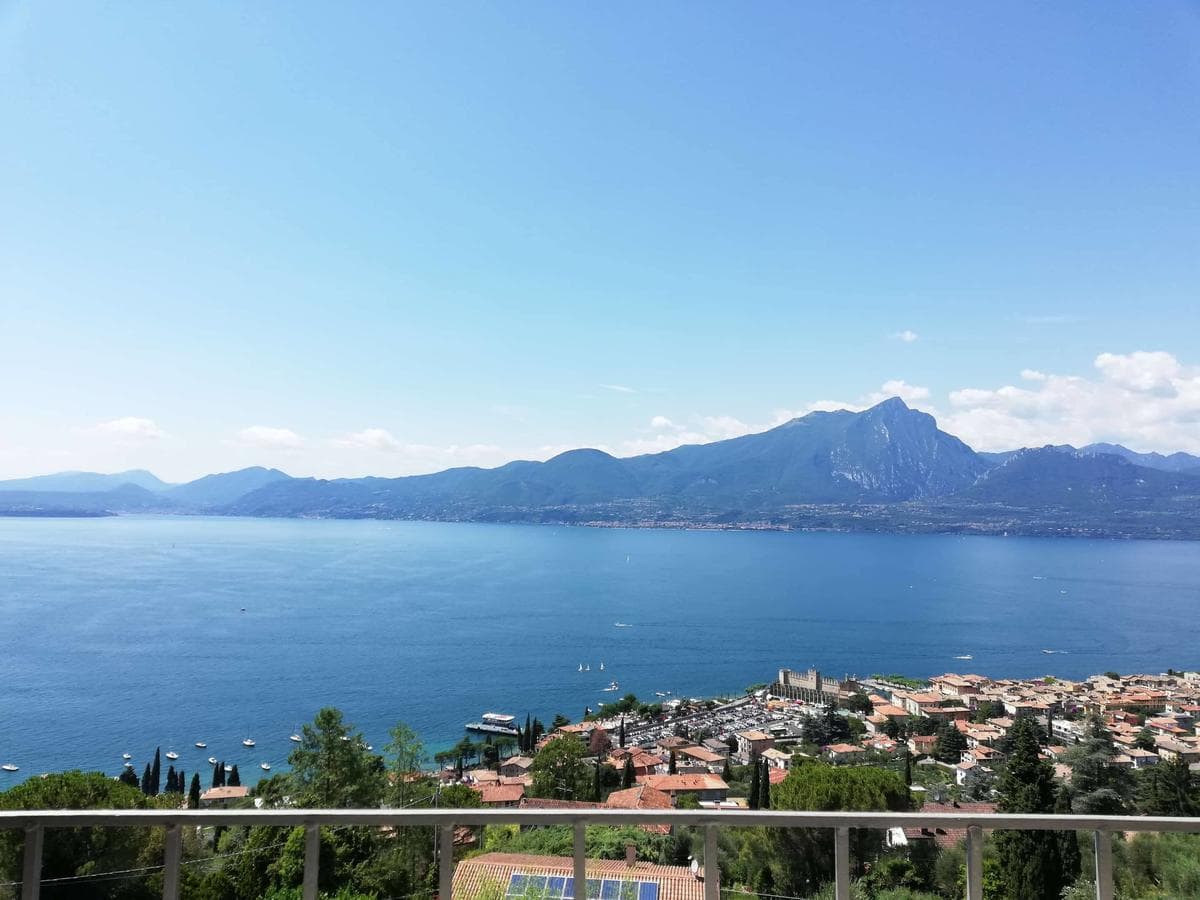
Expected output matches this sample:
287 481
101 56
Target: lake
120 634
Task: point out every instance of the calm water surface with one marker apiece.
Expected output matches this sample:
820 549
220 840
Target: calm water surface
119 634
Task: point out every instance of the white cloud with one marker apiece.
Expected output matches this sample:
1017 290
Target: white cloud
618 388
130 428
267 438
1146 400
662 423
910 393
907 336
370 439
1033 375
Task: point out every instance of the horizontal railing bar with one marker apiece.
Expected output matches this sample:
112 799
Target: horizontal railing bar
142 818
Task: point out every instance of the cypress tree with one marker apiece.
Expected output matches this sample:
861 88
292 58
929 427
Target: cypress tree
1030 861
194 792
755 782
170 780
621 734
764 788
156 772
528 747
520 739
1068 841
235 780
907 767
627 775
146 783
181 782
726 772
596 788
671 765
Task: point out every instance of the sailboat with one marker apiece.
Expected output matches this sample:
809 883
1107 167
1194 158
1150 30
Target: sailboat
602 667
587 668
248 742
581 667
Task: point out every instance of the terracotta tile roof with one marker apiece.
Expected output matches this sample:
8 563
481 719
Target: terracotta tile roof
226 792
482 873
675 783
947 838
500 793
640 797
753 735
700 754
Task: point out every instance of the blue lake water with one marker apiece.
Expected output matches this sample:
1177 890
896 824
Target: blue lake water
121 634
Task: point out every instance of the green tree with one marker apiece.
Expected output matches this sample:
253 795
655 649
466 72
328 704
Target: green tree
764 787
672 766
628 777
802 858
950 744
559 771
171 786
70 852
148 781
726 772
156 773
194 792
1030 861
1099 786
859 702
235 780
1068 841
1144 740
559 721
331 766
1168 789
621 734
405 756
127 777
755 781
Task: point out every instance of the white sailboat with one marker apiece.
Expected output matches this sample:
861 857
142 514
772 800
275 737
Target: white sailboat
248 742
602 666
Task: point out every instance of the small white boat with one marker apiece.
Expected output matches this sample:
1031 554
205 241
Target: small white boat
613 686
247 743
581 667
295 739
965 656
212 760
621 625
201 744
128 765
126 756
9 767
587 668
171 754
601 666
228 767
266 767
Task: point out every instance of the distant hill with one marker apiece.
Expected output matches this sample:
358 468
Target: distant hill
1176 462
224 488
126 498
85 482
887 468
1082 480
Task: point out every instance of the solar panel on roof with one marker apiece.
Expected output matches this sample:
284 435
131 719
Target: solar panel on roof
554 887
649 891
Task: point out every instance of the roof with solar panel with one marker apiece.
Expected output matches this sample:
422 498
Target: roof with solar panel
519 876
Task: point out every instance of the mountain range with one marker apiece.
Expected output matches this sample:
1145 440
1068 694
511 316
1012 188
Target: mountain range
887 468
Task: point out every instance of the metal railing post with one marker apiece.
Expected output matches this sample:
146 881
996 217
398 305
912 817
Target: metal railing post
31 869
312 860
1102 842
712 864
580 849
172 853
974 863
841 863
446 861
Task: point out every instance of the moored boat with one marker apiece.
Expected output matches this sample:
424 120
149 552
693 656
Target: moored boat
248 743
494 723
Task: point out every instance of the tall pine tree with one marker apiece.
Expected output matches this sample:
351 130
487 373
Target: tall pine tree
156 773
764 787
235 780
621 734
1030 861
194 792
147 783
627 775
755 781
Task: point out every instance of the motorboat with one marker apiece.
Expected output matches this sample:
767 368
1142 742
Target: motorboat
212 760
247 743
171 754
201 744
126 756
9 767
266 767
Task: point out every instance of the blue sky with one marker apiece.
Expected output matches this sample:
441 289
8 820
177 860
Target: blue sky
398 237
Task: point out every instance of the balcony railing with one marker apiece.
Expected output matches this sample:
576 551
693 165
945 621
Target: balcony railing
1102 827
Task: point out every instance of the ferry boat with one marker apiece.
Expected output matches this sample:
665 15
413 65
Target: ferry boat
494 723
